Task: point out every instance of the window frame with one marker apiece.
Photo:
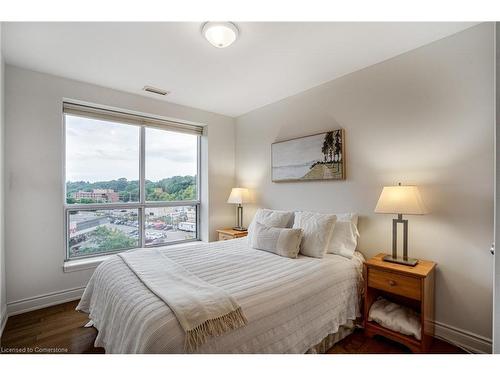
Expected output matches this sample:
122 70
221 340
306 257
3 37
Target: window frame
142 205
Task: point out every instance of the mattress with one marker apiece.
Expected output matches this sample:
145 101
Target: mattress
290 304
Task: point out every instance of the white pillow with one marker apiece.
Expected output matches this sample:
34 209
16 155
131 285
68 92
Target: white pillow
344 236
395 317
281 241
348 217
317 230
270 218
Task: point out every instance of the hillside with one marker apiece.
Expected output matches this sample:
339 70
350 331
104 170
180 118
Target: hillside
168 189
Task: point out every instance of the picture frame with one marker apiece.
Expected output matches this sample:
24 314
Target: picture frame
314 157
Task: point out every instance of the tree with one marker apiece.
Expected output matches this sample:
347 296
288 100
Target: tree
324 150
167 189
86 201
338 147
107 239
328 146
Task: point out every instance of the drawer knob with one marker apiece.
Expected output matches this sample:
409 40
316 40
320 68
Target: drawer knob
392 282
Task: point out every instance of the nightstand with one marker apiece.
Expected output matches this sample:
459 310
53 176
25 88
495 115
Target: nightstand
230 234
407 286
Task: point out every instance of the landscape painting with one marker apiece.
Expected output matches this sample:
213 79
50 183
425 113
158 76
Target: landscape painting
314 157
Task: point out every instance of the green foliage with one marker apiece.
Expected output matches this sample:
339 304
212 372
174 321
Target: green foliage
106 239
168 189
86 201
172 189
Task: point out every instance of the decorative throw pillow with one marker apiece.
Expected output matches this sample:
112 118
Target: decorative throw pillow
281 241
344 236
270 218
317 230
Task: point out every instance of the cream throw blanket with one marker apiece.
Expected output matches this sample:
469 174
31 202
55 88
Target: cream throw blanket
203 310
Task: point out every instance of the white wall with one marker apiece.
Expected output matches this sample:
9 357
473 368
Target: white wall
34 186
3 306
424 118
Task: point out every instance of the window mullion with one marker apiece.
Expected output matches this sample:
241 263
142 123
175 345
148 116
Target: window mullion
142 164
170 203
142 184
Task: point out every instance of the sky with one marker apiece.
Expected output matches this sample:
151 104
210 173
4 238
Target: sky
298 151
100 151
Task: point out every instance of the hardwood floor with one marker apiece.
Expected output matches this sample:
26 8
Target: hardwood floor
358 343
60 329
57 327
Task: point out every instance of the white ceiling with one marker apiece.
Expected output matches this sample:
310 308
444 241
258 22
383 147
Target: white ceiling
269 61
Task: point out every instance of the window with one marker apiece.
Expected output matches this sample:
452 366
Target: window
130 181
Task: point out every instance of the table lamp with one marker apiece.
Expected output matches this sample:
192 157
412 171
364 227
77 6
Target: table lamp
400 200
239 196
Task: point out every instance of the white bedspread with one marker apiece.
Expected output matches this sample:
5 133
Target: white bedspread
290 304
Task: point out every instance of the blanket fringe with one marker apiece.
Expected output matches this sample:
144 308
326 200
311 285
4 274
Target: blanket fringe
214 327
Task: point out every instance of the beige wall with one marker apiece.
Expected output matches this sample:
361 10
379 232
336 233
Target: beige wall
34 186
425 118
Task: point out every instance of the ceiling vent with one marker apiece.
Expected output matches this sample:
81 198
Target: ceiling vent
155 90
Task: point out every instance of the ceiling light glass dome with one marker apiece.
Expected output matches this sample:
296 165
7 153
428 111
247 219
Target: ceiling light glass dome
220 34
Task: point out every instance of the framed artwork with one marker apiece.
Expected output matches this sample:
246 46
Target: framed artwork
313 157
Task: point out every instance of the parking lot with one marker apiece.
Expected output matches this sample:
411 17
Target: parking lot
85 223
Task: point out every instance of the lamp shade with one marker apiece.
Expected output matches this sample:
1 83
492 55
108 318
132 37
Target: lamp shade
400 200
239 196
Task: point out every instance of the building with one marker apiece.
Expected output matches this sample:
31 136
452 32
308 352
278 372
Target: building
98 195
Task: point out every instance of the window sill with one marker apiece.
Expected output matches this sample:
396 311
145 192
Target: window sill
93 262
83 264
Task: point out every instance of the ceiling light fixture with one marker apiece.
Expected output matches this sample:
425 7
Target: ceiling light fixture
220 34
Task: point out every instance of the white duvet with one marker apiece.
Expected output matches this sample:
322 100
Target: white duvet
290 304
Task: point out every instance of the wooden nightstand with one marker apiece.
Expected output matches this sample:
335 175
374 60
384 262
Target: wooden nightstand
408 286
230 234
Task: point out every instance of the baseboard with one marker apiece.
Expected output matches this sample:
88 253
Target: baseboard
466 340
3 320
43 300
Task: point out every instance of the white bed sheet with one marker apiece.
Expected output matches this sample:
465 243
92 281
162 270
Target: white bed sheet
290 304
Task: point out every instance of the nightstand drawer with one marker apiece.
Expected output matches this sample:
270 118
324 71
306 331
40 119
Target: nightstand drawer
395 283
224 237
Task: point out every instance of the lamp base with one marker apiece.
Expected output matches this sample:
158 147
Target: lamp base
407 262
239 229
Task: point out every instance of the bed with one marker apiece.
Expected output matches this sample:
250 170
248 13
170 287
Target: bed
292 305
